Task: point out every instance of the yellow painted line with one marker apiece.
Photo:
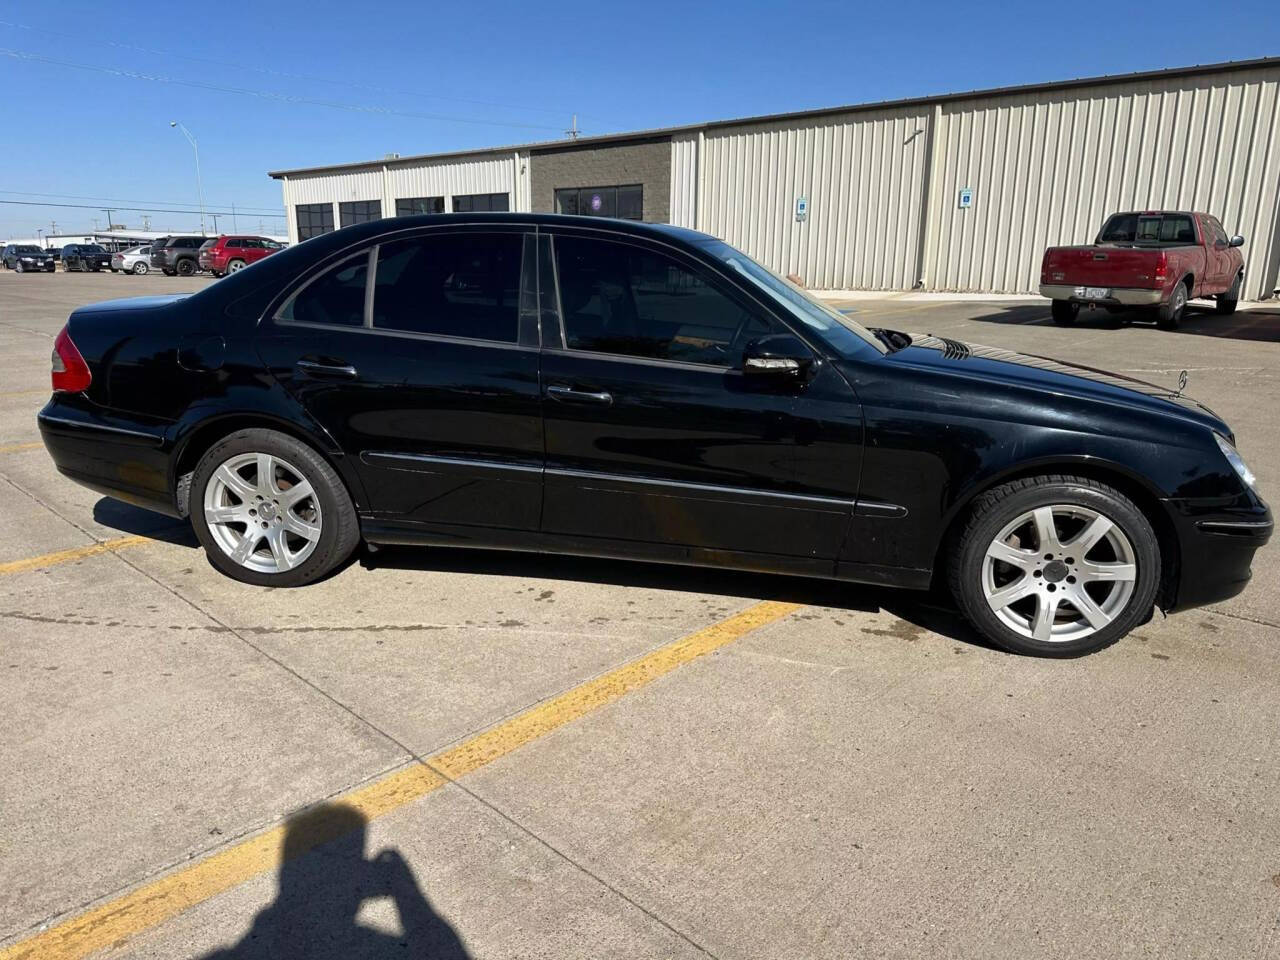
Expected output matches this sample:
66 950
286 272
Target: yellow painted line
116 921
75 553
16 447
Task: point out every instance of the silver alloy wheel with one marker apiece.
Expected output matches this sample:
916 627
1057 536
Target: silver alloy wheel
235 265
140 268
1075 581
262 512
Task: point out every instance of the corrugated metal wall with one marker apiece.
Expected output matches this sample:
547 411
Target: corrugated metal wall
497 173
684 180
861 173
1046 168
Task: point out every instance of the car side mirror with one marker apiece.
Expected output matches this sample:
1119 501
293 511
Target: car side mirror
1237 241
780 356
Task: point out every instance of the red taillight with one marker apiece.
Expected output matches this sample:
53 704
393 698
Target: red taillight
1162 267
70 372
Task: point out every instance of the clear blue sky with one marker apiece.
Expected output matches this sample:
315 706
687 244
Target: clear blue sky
461 75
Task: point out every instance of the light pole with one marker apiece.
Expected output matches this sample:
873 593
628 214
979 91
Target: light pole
199 183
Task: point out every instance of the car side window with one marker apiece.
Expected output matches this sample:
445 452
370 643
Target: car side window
624 299
335 298
451 284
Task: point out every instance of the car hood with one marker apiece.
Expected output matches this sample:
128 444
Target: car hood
1053 376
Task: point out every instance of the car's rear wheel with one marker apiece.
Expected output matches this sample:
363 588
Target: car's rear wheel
1055 566
235 265
1227 302
1169 314
1064 312
186 268
269 510
140 268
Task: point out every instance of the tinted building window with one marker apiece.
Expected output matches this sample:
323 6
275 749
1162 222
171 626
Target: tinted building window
336 298
409 206
359 211
480 203
626 202
617 298
314 219
457 285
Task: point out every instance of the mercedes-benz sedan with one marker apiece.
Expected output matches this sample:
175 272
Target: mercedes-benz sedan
646 392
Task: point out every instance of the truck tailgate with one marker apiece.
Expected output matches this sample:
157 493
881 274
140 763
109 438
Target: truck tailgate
1102 266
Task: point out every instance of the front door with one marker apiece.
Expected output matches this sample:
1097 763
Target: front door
654 434
411 356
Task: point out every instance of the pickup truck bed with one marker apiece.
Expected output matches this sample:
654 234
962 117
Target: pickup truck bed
1155 259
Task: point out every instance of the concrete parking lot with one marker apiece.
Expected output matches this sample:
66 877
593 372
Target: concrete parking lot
448 754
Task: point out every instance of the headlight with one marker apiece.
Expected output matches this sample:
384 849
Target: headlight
1236 461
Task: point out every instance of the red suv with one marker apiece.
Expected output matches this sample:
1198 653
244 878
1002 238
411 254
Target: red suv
228 254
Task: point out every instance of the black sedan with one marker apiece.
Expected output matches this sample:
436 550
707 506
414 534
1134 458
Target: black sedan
646 392
86 257
26 258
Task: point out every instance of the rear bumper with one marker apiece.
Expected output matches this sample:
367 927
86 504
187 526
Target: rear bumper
1216 549
127 461
1120 296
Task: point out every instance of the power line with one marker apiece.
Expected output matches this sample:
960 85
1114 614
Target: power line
264 94
310 78
90 206
175 203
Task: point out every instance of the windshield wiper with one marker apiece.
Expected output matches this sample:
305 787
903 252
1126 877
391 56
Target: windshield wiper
895 340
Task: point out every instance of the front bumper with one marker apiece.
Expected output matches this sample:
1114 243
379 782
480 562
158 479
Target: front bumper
1120 296
1216 548
34 264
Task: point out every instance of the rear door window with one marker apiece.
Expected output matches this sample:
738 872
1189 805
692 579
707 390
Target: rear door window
334 299
453 284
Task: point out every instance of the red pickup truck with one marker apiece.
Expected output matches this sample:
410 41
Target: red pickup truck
1157 260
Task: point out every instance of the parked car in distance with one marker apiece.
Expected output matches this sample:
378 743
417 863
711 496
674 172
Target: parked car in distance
85 257
227 254
176 255
24 257
1157 260
134 260
641 391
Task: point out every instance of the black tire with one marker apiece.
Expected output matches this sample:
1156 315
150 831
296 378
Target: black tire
997 508
186 267
1169 314
169 273
19 267
1226 304
339 527
140 268
1064 312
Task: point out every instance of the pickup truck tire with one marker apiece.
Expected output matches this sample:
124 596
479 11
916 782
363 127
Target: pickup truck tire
1227 301
1169 314
1064 312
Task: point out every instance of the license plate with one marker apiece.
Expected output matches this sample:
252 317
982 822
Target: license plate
1093 293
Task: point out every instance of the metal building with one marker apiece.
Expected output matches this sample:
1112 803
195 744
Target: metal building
959 192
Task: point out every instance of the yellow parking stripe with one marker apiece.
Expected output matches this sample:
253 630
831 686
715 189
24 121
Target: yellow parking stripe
75 553
114 922
16 447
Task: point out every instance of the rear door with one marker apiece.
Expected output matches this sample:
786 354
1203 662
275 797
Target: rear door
654 434
413 356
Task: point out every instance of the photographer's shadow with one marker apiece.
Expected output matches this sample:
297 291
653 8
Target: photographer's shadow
324 880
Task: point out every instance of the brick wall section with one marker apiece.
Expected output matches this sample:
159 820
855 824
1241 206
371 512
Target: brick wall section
647 163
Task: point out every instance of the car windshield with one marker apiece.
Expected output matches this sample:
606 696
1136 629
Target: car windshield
843 334
27 249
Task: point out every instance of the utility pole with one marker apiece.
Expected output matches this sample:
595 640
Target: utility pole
110 225
573 131
146 222
234 228
215 224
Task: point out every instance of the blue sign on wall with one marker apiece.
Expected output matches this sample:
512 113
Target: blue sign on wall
966 198
802 208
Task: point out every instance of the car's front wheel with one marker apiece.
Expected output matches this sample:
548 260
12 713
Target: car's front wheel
1055 566
269 510
1228 301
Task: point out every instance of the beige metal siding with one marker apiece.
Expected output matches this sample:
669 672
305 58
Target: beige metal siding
862 174
495 174
1046 168
684 180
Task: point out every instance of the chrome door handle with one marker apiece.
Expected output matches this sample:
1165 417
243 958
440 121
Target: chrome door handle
317 369
572 395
